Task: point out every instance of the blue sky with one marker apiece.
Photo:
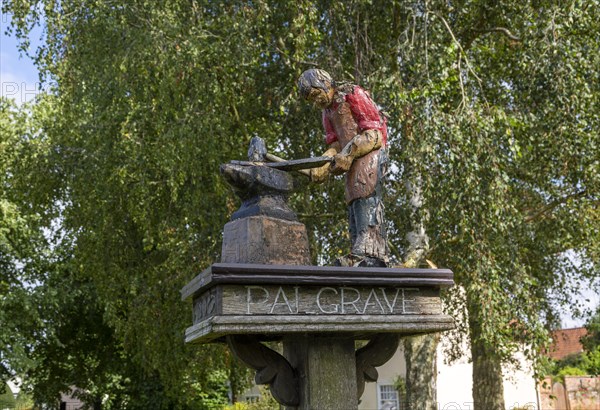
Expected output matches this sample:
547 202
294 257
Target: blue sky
19 78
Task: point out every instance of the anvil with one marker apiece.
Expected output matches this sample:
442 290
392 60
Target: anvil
264 186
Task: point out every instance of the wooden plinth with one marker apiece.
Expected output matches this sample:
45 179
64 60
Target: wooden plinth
270 301
263 239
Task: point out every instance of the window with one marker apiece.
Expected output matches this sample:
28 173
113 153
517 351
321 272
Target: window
248 398
388 397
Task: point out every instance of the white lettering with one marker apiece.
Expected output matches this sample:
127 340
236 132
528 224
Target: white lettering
285 302
451 406
310 300
250 299
404 300
387 302
335 305
25 94
368 302
9 89
296 291
352 302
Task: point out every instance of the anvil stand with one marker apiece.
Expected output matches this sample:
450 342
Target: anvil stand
265 290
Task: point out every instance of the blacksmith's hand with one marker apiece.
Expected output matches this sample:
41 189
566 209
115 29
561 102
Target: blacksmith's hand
319 175
341 163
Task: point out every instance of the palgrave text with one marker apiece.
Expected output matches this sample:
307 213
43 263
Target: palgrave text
329 300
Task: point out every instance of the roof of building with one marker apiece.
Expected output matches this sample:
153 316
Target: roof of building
566 342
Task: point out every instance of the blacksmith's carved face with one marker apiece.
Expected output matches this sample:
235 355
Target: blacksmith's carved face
320 98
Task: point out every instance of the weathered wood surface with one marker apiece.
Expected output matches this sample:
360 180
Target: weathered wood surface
265 240
271 368
326 371
357 326
274 300
313 300
326 300
376 353
260 274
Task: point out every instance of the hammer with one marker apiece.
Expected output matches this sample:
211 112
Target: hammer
257 152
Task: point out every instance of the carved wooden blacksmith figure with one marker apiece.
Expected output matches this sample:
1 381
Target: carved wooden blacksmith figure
265 289
356 133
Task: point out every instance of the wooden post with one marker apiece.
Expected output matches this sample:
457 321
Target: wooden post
326 369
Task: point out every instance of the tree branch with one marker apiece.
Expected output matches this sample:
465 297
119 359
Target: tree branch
290 58
552 205
460 47
501 30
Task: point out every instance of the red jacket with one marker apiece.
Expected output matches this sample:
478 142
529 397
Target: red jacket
364 111
352 113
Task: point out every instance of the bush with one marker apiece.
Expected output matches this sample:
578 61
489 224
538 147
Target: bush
568 371
266 402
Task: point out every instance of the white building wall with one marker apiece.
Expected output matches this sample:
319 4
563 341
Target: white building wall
454 384
388 373
520 388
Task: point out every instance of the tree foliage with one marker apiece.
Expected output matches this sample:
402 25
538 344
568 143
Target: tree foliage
586 363
22 245
492 105
592 339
